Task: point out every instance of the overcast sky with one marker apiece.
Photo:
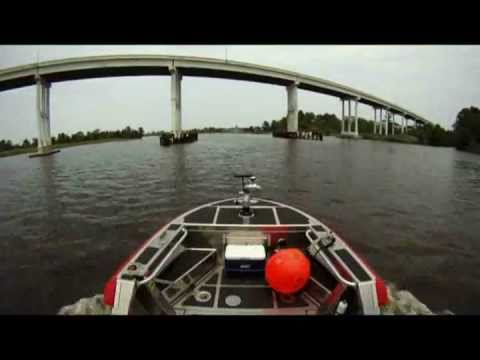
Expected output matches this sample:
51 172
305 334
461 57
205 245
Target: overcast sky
433 81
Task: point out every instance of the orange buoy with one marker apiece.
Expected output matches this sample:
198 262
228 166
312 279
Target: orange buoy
287 271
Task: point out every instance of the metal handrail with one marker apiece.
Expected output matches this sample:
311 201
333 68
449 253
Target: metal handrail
319 252
156 271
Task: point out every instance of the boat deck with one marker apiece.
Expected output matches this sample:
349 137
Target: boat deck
221 292
217 291
186 264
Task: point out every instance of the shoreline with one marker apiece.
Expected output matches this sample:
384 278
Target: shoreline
472 149
399 139
31 150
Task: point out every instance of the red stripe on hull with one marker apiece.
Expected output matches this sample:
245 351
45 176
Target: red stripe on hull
381 288
111 285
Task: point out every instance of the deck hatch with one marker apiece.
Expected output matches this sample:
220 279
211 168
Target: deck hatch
203 215
250 297
229 216
263 216
185 261
232 279
289 216
353 265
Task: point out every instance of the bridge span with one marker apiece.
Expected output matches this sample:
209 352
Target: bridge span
43 74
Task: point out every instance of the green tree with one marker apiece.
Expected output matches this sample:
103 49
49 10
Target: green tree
266 126
6 145
467 128
78 136
63 138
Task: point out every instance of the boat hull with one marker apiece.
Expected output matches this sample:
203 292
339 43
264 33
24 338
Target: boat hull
183 265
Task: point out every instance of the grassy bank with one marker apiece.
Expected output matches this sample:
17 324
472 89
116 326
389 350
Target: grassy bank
346 136
58 146
473 148
403 138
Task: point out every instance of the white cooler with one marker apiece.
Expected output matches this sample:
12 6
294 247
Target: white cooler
241 258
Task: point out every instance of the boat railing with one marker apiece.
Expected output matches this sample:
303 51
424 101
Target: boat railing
166 259
318 251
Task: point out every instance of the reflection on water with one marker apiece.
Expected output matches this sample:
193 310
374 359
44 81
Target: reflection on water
68 220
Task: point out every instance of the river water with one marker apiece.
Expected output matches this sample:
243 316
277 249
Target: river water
67 221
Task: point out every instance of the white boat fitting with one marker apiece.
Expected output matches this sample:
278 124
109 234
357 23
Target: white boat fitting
213 260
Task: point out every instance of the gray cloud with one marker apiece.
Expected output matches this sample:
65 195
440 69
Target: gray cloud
434 81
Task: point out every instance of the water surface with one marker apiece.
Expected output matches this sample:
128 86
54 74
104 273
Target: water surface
67 221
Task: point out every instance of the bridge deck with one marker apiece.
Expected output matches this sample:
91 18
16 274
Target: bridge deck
143 65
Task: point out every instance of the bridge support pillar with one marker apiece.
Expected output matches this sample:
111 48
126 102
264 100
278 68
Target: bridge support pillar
44 142
380 122
292 108
374 121
393 123
349 116
176 99
343 116
356 116
387 116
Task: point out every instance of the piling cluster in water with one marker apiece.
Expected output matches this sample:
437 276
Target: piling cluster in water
168 138
305 135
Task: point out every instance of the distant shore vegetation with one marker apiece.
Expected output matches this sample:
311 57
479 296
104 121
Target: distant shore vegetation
62 139
465 135
330 124
215 130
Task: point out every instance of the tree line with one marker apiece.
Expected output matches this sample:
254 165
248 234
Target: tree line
80 136
330 124
465 134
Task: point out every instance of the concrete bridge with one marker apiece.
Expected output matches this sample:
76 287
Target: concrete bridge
43 74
